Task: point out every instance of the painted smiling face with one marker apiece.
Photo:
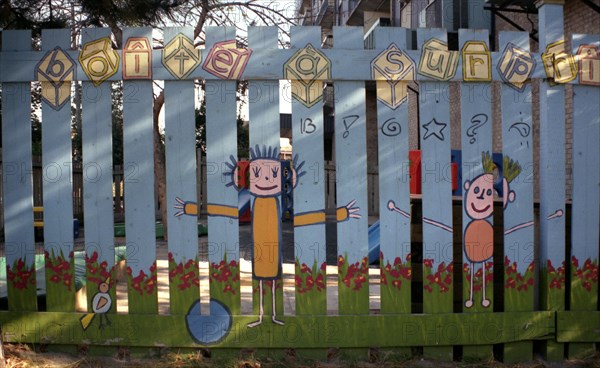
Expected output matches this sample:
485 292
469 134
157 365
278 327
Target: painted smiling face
265 177
479 198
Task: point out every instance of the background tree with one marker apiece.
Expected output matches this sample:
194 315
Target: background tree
116 14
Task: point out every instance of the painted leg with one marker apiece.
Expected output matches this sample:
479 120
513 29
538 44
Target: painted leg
484 301
275 320
108 323
260 308
469 303
100 325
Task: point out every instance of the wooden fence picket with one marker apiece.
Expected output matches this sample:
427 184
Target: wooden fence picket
552 166
351 176
97 149
307 134
18 193
180 154
394 179
138 158
436 179
586 195
221 138
57 169
477 181
517 170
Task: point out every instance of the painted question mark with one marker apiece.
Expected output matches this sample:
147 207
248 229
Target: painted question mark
477 122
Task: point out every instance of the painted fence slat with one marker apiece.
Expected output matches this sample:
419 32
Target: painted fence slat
552 166
138 158
394 179
586 181
97 156
265 171
180 153
351 176
434 126
221 158
57 170
477 181
394 194
517 169
19 248
309 194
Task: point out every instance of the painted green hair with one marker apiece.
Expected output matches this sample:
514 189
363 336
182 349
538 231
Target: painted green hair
487 162
511 169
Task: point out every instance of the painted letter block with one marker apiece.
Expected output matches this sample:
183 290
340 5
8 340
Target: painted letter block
137 59
516 66
98 60
391 69
226 61
180 57
307 69
436 61
559 65
55 71
589 65
477 65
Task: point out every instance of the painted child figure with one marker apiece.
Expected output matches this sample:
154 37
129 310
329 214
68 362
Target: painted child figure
479 233
266 187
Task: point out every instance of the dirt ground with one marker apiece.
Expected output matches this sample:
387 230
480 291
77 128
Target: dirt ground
24 356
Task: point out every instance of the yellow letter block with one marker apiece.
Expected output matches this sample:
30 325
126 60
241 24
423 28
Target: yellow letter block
559 66
180 57
56 70
436 61
307 69
477 64
137 59
98 60
392 69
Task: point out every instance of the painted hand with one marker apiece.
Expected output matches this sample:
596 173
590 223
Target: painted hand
353 211
185 208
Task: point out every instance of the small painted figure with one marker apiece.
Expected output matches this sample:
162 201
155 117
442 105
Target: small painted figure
101 304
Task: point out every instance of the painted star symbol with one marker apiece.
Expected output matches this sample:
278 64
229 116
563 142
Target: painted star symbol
434 128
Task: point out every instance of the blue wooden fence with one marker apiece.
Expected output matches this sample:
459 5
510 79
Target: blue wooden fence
453 292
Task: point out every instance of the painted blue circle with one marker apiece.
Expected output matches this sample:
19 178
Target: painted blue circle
210 329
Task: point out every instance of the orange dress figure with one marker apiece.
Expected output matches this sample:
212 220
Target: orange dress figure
265 187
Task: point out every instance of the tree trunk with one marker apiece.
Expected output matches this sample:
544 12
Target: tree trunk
159 164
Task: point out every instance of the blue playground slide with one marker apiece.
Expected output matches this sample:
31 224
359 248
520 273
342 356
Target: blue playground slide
374 243
244 199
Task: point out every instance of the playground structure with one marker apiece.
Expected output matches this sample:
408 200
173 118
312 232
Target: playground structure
488 311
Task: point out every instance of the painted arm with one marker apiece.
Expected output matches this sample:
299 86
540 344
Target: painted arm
318 217
557 213
392 207
191 208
